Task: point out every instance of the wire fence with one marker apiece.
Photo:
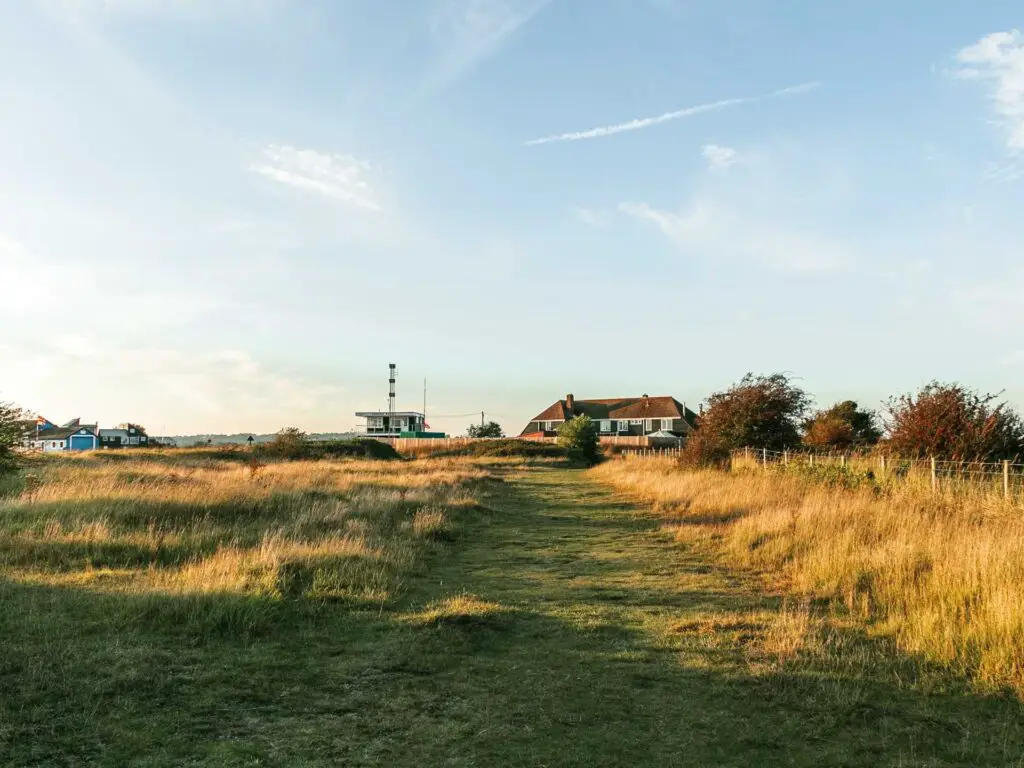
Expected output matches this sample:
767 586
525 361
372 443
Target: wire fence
1003 479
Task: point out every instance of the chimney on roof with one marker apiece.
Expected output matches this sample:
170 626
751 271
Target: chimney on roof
570 404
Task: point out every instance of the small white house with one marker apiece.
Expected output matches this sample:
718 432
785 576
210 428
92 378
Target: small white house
388 424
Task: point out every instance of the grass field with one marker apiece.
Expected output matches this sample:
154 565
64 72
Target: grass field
466 612
943 575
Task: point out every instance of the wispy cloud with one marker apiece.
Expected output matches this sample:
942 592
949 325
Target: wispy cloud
340 177
993 304
197 9
23 275
707 229
719 157
1012 359
466 32
591 217
220 389
998 60
679 114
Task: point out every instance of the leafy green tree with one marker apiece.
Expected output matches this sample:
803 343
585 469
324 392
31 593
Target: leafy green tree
950 421
579 436
490 429
12 431
844 425
758 411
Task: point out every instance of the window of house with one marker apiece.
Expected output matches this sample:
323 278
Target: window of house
606 425
666 424
547 426
623 425
638 422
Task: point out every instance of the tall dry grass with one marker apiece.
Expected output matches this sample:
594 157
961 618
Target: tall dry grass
943 576
149 522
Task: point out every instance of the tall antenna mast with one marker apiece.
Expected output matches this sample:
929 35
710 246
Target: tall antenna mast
391 396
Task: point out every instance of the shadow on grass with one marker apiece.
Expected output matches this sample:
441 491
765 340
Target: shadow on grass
230 680
50 555
233 515
531 641
578 553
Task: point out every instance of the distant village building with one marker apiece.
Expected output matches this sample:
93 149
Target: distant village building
637 416
393 424
43 435
124 436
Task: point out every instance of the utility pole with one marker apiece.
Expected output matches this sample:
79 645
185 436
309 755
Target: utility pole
481 419
391 398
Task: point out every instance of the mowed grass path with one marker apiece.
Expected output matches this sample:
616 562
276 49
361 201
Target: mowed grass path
561 627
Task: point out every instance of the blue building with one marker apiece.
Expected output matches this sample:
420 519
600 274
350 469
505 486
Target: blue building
72 436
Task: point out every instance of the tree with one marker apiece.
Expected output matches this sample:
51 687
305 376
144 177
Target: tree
951 421
758 411
842 426
580 438
288 443
490 429
13 430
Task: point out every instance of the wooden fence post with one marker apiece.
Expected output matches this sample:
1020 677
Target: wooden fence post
764 458
881 460
810 459
935 477
785 458
842 460
746 453
1006 479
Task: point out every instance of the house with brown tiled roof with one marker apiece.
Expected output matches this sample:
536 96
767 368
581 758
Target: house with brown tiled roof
635 416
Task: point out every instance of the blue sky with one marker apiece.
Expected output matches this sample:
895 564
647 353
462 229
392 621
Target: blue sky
232 215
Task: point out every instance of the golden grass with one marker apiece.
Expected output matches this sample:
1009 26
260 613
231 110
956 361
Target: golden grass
151 522
944 578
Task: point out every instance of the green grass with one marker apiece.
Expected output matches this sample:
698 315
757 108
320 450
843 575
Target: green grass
509 447
555 626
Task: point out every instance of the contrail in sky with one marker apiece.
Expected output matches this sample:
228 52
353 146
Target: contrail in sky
646 122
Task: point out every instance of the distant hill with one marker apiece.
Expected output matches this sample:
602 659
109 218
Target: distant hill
242 438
